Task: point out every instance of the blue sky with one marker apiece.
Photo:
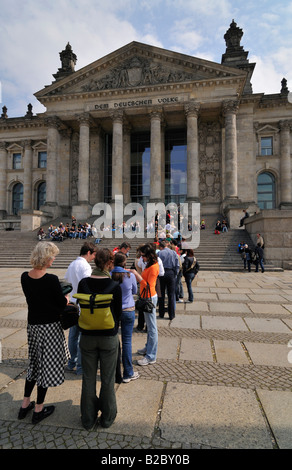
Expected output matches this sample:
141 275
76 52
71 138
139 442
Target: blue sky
33 32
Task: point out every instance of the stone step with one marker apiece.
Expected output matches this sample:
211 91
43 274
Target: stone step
213 253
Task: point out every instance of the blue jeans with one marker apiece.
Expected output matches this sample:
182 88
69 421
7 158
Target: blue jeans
73 345
127 325
152 332
261 263
189 277
247 262
179 288
168 281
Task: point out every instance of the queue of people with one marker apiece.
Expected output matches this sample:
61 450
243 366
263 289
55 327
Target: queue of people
87 350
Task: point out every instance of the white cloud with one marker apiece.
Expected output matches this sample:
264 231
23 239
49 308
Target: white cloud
33 32
266 79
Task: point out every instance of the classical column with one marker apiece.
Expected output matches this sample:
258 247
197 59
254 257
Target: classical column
155 157
52 155
117 155
192 112
163 161
230 109
3 176
83 171
127 164
27 176
285 164
96 165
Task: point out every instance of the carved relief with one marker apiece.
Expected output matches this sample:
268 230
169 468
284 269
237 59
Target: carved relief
139 71
210 162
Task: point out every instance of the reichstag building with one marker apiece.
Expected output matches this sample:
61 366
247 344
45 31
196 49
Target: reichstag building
154 126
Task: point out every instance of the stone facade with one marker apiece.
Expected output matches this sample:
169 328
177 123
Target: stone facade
140 88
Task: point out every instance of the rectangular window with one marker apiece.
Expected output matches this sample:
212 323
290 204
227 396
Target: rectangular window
266 145
42 160
16 161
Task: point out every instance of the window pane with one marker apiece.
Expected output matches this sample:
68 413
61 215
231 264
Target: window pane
16 161
17 198
41 199
266 191
175 166
265 178
266 146
265 188
42 159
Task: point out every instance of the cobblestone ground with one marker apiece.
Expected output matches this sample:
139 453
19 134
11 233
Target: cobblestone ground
249 375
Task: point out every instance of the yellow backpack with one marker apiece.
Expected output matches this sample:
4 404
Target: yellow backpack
95 311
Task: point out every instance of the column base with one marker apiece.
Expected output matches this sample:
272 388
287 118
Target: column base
33 219
52 209
286 206
82 211
233 210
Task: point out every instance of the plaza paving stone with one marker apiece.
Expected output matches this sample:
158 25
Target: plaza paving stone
222 377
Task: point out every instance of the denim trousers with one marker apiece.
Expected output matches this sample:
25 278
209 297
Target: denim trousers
127 325
247 262
261 263
73 345
189 277
98 351
152 332
179 287
168 281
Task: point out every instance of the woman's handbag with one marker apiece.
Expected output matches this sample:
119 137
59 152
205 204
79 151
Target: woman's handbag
70 315
144 303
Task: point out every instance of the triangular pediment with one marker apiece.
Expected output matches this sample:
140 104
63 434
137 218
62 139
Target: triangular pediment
139 65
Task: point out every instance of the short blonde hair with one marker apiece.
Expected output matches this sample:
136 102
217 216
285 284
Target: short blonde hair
42 253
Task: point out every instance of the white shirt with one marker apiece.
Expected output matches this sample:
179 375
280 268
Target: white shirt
142 265
77 270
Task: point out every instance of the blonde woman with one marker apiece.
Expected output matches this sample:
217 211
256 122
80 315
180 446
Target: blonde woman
47 347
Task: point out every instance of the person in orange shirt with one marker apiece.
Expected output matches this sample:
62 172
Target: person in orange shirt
149 275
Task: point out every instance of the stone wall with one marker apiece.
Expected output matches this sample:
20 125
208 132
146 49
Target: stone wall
276 229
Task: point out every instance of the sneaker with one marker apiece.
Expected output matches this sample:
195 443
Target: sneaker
37 417
142 352
134 377
145 361
180 300
23 411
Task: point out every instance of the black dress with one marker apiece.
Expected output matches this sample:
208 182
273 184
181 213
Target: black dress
47 348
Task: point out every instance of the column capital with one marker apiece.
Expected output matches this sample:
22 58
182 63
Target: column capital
156 113
285 125
3 145
118 116
84 119
53 122
27 144
192 109
230 107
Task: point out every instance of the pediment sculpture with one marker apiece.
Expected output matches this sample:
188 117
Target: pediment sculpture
138 71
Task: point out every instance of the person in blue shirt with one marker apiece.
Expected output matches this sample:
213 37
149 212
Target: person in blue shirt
128 284
171 266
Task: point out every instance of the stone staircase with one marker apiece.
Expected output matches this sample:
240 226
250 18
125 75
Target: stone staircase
215 252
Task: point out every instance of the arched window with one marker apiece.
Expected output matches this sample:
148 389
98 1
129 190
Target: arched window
266 191
17 198
41 195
